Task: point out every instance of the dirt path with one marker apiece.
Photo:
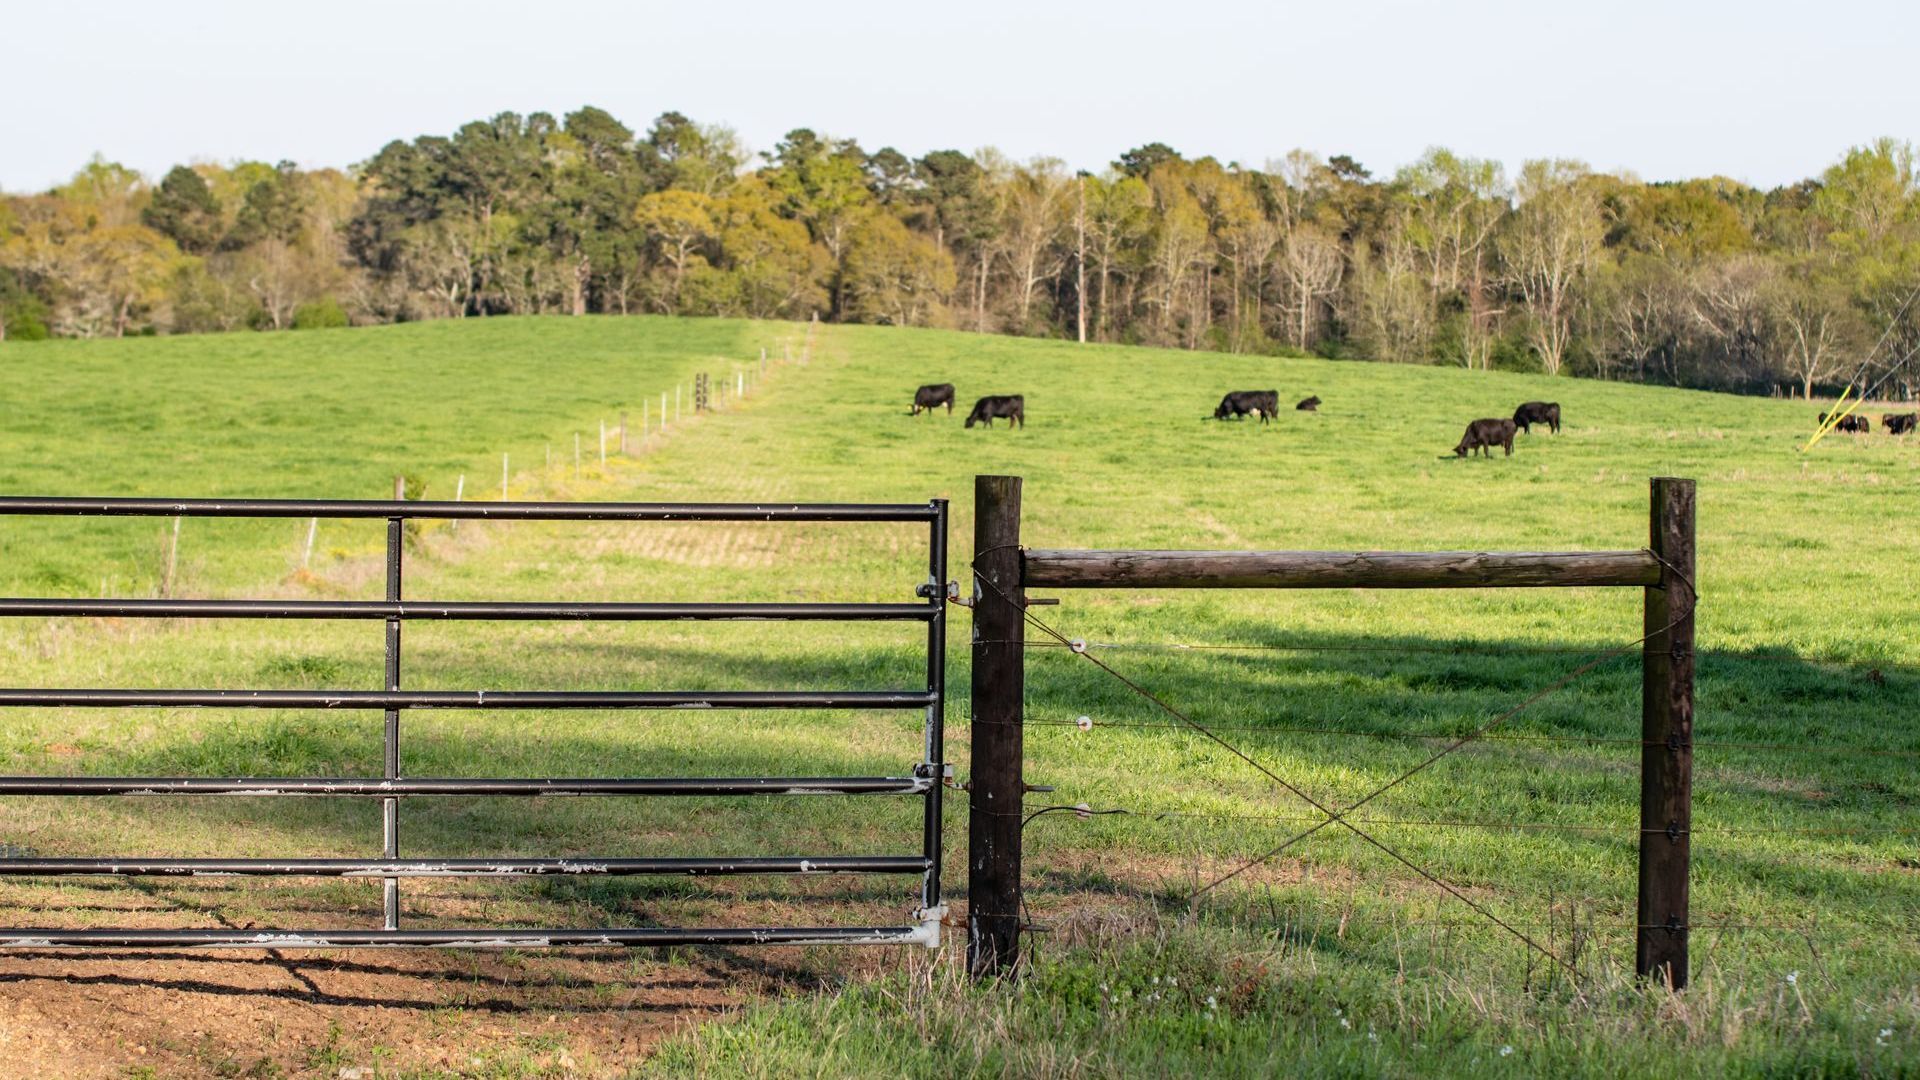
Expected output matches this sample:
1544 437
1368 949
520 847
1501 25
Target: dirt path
336 1014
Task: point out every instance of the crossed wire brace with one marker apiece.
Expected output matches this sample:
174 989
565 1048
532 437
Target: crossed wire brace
1333 816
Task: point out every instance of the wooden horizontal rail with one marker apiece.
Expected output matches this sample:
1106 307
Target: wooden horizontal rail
1063 569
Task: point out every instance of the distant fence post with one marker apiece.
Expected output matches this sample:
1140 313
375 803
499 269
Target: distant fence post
997 785
1666 752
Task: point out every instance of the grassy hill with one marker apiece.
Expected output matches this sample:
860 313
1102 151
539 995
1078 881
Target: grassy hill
1334 959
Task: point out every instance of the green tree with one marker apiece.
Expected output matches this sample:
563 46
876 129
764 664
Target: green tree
824 186
892 276
1142 160
183 208
678 223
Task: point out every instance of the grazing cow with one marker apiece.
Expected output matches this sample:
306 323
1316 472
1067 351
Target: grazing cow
1262 403
1850 422
1538 412
1012 406
1311 404
1899 423
1483 435
932 396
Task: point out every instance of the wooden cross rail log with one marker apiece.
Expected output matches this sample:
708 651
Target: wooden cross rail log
1058 569
1003 572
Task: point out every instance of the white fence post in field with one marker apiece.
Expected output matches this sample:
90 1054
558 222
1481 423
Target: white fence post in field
460 491
676 403
739 383
603 444
503 478
313 526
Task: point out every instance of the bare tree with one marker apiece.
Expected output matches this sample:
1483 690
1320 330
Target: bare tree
1036 197
1310 267
1729 308
1813 321
1550 244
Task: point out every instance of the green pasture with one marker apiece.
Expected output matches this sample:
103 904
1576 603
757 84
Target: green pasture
1333 959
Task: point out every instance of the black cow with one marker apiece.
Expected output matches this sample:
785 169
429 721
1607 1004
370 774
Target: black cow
932 396
1262 403
1537 412
1311 404
1850 422
1013 407
1899 423
1483 435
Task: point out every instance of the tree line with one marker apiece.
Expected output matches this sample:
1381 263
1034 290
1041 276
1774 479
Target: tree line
1556 268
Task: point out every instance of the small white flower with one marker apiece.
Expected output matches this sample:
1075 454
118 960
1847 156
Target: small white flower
1345 1023
1156 980
1214 1003
1881 1039
1793 978
1336 1010
1103 988
1505 1050
1373 1036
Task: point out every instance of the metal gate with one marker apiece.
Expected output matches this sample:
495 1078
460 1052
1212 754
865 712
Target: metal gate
394 785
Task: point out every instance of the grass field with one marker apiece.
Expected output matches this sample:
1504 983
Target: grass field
1333 959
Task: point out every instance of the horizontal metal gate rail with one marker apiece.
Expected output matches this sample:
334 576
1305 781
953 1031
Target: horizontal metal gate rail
924 782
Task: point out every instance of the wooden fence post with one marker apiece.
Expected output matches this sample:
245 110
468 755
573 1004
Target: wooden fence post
997 785
1666 753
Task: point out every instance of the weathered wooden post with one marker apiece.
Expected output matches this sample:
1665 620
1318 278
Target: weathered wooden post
1666 753
997 785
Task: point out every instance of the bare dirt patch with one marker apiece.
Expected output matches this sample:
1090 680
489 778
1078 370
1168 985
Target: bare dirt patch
317 1013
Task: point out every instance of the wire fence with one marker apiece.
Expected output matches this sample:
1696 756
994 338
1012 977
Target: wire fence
1361 826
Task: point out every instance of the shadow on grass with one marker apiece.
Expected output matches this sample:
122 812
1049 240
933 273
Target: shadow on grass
1375 689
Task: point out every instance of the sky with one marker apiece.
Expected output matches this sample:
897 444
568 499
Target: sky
1763 91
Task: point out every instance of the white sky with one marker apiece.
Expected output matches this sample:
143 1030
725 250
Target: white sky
1765 91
